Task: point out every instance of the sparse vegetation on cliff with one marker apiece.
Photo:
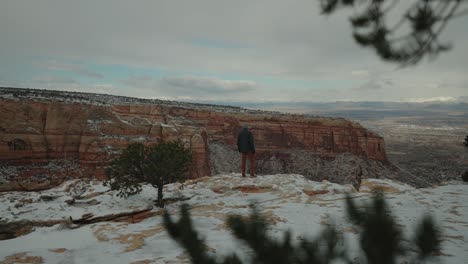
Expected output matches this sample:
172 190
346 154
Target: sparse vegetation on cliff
157 165
381 239
466 142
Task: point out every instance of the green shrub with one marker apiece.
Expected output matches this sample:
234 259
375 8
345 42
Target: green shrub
157 165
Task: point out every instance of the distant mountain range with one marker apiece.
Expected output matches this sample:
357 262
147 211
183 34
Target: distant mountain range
429 103
364 110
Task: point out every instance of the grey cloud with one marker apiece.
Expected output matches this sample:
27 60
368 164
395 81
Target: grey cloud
70 84
69 67
55 80
158 33
193 87
375 84
374 80
284 39
210 85
141 82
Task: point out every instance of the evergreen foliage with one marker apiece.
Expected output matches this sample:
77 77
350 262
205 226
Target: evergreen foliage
184 233
157 165
466 142
427 238
465 176
381 239
425 19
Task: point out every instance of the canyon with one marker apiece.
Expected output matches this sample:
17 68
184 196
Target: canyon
47 137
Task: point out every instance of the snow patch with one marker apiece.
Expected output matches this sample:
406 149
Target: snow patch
288 202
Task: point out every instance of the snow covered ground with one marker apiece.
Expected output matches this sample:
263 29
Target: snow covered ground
289 202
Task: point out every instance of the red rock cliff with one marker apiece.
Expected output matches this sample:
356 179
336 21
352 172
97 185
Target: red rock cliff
53 139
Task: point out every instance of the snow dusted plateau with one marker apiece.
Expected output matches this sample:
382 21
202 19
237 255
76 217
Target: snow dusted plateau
288 201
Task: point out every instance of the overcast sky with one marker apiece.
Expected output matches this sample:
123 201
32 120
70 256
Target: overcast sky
212 50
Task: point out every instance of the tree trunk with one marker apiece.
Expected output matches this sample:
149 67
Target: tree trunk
160 196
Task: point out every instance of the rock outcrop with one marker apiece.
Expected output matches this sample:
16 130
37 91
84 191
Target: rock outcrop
47 136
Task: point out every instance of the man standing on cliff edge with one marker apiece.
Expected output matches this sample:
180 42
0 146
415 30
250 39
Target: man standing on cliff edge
246 146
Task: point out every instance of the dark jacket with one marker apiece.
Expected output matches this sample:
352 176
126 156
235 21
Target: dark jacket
245 141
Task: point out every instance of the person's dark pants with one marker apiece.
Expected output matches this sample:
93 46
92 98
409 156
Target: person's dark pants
252 163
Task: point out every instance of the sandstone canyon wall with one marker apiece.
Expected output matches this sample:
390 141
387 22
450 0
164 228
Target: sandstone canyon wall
48 136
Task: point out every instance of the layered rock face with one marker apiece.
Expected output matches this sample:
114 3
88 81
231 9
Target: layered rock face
46 136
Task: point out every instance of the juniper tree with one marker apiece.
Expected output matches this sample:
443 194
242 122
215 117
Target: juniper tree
465 176
381 239
185 234
157 165
407 39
